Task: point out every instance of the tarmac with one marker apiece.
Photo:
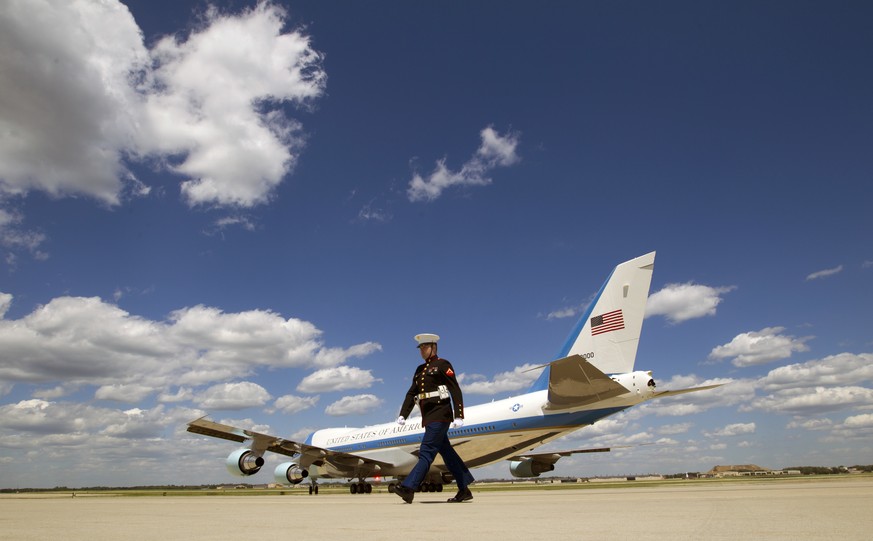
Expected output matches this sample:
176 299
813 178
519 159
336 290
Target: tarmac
780 509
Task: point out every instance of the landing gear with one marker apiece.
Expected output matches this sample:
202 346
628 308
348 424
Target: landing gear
313 489
361 488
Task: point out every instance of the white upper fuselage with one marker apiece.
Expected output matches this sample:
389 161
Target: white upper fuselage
492 432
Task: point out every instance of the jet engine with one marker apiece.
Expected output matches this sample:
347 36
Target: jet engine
289 472
529 467
244 463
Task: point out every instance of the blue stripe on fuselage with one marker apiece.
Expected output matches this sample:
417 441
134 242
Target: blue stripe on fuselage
556 420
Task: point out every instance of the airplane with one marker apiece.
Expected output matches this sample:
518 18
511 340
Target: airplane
592 378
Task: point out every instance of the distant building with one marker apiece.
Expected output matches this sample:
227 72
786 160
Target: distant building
738 470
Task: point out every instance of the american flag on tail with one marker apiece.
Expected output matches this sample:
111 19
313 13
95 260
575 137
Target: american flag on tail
610 321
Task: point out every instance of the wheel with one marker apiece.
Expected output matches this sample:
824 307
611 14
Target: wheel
316 490
353 488
439 487
310 490
391 487
368 488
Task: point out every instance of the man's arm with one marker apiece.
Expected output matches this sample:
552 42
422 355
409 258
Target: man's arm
455 391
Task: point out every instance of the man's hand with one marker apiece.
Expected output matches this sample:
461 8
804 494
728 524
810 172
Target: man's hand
401 420
457 423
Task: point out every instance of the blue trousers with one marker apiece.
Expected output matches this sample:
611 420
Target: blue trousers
436 440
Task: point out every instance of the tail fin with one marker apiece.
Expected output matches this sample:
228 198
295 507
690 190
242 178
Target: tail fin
608 333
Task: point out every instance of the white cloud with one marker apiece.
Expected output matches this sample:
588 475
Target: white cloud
521 377
678 428
495 151
233 396
354 405
78 421
81 99
5 303
12 236
735 429
69 108
824 273
841 369
290 404
681 302
339 378
811 424
214 97
86 341
760 347
807 402
131 392
563 313
859 421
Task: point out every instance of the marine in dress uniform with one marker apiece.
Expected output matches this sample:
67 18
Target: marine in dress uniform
435 388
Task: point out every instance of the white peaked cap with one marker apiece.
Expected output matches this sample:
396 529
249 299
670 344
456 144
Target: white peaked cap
426 338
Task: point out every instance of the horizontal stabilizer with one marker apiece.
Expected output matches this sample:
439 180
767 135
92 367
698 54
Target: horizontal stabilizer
574 382
660 394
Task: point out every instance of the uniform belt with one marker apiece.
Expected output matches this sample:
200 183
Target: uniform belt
432 394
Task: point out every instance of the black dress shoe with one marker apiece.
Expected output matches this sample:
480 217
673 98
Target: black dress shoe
463 495
406 493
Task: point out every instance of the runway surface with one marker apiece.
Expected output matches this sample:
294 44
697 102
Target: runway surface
795 509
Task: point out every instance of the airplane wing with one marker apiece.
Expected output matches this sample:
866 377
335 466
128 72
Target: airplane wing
551 458
265 442
533 464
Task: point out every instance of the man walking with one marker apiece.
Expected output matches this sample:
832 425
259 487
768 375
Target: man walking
435 388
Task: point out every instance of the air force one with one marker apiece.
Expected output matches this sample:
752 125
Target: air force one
593 378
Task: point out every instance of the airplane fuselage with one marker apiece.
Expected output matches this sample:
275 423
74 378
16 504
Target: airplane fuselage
492 432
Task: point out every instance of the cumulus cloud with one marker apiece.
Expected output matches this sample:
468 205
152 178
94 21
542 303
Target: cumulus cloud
563 313
807 402
81 100
339 378
760 347
69 107
495 151
216 101
13 237
811 424
521 377
43 417
735 429
678 428
5 303
86 341
354 405
824 273
841 369
233 396
681 302
131 392
290 404
859 421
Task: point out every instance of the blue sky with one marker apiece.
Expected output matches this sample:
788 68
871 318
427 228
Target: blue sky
248 210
